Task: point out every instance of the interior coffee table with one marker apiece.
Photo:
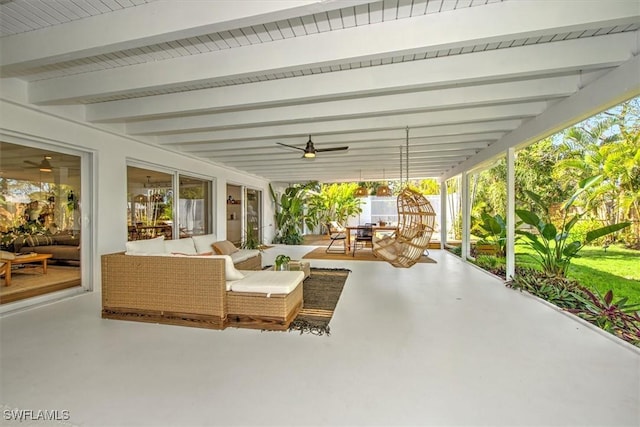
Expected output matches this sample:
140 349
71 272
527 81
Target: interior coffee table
25 259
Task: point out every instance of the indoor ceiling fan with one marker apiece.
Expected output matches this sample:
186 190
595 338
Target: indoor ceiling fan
44 165
310 151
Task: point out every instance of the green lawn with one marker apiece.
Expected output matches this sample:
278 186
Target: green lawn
617 269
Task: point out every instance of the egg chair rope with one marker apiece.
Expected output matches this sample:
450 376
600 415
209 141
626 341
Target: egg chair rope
416 222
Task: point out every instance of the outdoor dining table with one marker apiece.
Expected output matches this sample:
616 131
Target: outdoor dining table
376 228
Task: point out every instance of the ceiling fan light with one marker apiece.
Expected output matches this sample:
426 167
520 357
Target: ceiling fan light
45 166
309 154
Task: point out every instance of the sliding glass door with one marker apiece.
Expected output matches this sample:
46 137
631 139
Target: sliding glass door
253 216
40 221
194 212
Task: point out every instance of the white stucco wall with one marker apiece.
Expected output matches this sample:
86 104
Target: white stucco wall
22 124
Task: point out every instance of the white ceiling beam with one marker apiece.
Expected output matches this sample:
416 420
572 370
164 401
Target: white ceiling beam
617 86
348 176
147 24
371 168
466 96
247 151
344 158
392 38
473 114
205 138
477 67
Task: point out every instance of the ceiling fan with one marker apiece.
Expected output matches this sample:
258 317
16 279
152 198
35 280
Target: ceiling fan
44 165
310 151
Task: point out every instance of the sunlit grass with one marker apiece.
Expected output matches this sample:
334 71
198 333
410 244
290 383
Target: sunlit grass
616 269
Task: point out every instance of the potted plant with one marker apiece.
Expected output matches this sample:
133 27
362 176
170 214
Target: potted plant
282 262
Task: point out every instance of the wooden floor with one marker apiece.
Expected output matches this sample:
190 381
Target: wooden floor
29 282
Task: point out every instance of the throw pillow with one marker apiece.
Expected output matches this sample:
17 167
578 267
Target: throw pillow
224 247
38 240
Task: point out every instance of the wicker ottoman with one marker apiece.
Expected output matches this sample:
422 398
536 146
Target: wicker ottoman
255 301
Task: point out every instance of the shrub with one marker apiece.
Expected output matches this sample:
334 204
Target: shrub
584 226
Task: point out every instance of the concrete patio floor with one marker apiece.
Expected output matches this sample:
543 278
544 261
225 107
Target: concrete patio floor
437 344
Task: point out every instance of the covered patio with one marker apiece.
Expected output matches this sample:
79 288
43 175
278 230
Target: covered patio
437 344
222 90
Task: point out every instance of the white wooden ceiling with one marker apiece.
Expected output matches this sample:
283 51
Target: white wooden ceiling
227 80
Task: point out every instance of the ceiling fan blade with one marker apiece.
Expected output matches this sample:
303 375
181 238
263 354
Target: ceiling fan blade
320 150
290 146
32 163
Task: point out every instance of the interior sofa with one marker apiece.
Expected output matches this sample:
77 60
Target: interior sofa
204 291
63 246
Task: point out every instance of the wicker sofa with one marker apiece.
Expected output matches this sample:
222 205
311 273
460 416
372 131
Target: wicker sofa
243 259
196 291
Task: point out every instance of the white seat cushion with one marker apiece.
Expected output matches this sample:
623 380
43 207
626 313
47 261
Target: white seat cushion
268 282
244 254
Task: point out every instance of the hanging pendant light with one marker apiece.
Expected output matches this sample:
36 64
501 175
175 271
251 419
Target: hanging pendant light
383 190
361 191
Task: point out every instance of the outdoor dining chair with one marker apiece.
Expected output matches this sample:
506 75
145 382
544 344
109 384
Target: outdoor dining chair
364 235
336 233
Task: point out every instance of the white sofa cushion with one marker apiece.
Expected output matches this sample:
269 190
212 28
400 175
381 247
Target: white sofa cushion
203 244
244 254
183 246
268 282
146 247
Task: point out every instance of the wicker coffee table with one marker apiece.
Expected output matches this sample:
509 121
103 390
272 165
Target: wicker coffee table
297 265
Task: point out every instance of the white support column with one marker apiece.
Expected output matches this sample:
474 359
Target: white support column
511 215
466 235
443 214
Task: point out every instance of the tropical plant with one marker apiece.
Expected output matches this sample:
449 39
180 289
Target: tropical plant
493 229
619 317
560 291
290 213
250 240
552 245
607 144
334 202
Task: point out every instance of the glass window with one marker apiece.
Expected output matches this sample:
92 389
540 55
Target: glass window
151 207
149 203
